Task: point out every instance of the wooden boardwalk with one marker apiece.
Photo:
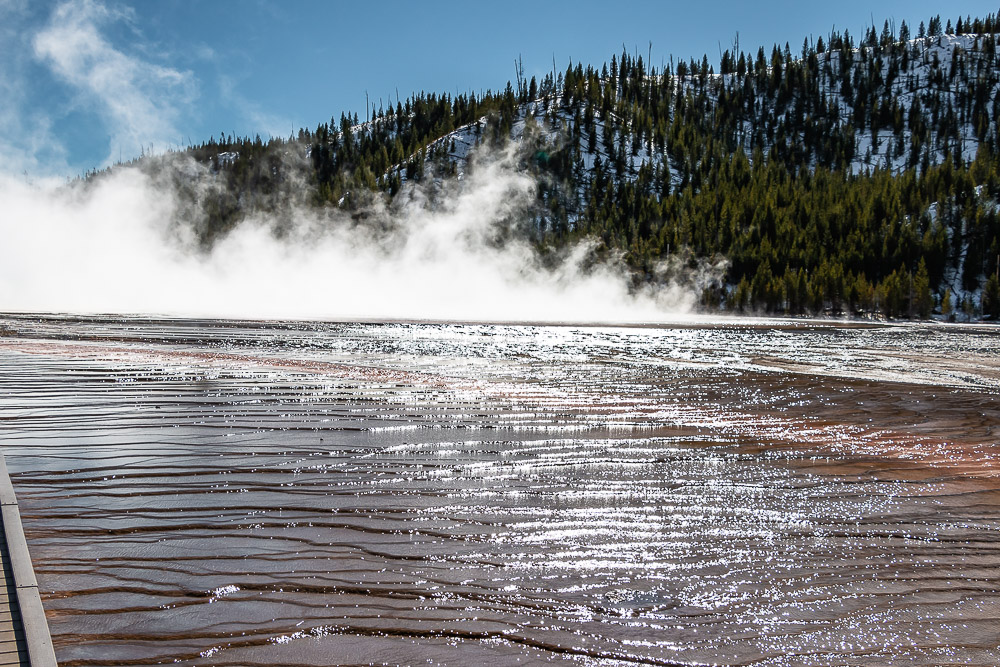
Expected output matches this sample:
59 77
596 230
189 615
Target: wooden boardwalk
24 632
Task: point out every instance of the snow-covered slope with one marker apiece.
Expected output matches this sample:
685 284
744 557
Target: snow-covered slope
632 155
930 84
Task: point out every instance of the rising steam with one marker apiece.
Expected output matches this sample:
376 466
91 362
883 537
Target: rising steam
128 241
114 245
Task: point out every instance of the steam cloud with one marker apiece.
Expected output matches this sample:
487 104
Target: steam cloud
115 245
112 247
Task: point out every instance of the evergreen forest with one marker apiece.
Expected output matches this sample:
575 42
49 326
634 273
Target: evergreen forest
850 175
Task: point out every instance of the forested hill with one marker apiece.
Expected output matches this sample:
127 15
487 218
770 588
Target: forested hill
846 175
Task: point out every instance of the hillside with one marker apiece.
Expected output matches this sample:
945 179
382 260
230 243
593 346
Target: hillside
846 177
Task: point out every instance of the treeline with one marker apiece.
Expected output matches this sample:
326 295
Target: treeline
761 164
817 240
848 176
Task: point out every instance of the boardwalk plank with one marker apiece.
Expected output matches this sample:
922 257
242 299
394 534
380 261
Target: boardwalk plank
24 630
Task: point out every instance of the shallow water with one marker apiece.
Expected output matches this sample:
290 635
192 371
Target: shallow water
725 493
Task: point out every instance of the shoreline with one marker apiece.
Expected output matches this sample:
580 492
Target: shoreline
682 321
844 411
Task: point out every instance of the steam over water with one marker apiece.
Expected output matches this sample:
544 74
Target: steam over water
233 493
128 242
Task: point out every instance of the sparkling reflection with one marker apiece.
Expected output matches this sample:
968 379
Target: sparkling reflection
239 493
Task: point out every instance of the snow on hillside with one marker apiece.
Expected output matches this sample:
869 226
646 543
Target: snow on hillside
919 83
932 61
590 136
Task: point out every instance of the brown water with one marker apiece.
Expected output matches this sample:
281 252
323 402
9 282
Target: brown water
727 494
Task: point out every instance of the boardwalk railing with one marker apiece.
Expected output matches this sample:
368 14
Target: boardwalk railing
36 628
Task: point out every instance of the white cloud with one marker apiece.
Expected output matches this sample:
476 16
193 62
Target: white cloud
27 143
140 101
8 7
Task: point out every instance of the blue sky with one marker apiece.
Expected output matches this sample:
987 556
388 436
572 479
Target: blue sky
85 82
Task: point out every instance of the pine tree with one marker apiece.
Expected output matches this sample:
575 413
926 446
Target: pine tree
922 291
991 297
